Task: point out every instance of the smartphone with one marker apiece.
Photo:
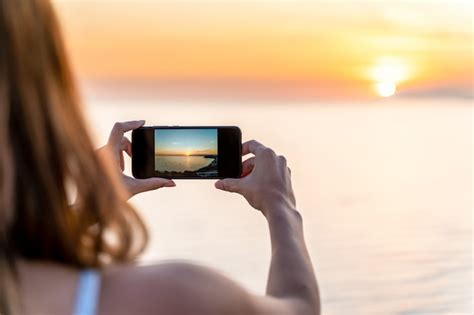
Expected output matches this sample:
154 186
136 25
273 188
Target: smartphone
187 152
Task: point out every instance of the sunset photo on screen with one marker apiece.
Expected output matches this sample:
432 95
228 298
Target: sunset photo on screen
186 152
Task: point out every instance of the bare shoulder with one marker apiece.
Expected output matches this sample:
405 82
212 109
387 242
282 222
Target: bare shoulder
172 288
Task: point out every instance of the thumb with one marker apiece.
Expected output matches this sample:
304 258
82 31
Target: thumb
229 184
142 185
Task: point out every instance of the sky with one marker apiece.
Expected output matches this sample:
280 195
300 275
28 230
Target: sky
279 48
186 142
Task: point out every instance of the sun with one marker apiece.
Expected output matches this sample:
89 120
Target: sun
187 153
385 89
386 74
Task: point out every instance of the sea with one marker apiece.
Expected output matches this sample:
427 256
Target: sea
181 163
384 188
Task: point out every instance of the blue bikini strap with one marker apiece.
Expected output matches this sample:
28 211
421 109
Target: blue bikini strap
87 294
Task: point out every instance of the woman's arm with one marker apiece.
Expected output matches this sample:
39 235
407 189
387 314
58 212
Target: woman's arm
291 273
267 187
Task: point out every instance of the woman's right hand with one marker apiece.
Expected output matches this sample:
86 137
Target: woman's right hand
115 148
265 181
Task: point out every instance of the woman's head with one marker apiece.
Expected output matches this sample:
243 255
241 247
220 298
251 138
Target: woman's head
47 157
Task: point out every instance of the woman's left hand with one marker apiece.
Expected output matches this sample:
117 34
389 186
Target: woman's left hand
117 145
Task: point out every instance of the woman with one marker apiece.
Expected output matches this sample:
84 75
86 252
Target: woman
68 235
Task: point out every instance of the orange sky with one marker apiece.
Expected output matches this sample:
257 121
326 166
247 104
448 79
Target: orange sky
319 48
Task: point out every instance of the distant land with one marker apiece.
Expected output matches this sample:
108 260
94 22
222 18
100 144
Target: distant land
255 90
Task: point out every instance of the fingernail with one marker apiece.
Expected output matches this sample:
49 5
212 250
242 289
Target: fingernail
170 184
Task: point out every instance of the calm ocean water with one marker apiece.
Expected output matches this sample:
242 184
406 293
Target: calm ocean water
180 163
385 189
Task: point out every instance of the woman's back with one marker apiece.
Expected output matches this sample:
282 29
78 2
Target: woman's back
170 288
47 288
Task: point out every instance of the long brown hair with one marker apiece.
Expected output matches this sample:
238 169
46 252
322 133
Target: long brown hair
47 157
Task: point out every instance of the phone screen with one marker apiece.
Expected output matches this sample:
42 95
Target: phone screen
202 152
186 152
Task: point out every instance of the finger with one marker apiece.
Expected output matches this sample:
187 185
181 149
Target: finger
122 163
148 184
247 166
126 146
121 127
228 184
252 146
